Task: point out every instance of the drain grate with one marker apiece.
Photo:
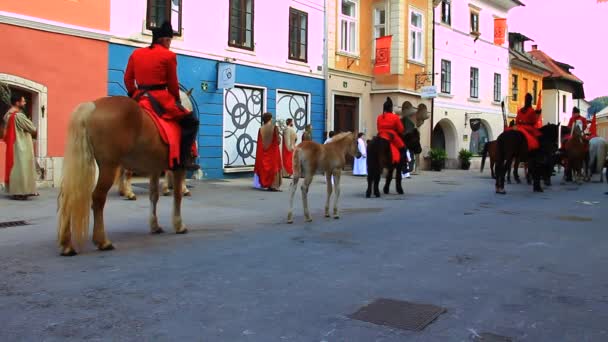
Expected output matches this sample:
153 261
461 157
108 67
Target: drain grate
9 224
398 314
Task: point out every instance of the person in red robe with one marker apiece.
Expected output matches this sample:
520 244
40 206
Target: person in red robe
289 144
151 79
526 121
268 156
391 128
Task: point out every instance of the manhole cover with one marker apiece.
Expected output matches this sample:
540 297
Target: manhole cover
573 218
12 224
489 337
398 314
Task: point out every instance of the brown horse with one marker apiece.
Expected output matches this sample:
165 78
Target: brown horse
489 150
136 145
576 154
310 157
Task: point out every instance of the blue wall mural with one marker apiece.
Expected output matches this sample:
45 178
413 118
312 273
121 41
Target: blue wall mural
229 120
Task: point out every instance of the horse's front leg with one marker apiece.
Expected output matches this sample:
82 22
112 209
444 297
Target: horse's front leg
337 175
370 181
167 183
328 176
292 191
535 171
104 184
178 225
155 228
124 187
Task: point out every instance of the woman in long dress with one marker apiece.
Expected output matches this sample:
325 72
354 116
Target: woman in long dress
360 165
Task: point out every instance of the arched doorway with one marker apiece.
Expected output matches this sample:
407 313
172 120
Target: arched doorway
444 137
480 135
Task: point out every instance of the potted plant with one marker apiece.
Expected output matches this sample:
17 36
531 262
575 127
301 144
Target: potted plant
438 157
465 159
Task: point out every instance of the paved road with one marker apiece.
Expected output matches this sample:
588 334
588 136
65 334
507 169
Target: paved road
528 266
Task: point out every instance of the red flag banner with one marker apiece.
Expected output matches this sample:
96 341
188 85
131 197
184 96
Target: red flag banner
383 55
500 29
598 1
593 127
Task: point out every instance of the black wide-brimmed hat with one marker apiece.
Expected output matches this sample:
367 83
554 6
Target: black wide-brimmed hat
164 31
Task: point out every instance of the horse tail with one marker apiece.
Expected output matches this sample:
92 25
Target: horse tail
484 154
296 162
78 178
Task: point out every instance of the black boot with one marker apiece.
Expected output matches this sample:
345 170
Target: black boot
189 125
404 163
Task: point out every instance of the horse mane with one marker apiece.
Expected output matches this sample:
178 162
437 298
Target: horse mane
340 136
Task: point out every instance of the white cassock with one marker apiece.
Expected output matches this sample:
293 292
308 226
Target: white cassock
360 165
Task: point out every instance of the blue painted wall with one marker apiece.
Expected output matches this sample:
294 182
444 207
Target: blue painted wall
193 71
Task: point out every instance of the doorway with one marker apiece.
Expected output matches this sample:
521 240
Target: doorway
346 118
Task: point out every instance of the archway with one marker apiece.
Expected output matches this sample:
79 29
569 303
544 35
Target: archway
444 137
480 135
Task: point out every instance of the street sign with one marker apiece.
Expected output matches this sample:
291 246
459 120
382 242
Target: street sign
428 92
226 75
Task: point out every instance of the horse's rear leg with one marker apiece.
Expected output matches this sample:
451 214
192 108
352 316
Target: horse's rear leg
328 177
387 181
178 225
155 228
305 187
337 175
100 194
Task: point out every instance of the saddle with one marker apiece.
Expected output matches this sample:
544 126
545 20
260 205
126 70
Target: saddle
170 131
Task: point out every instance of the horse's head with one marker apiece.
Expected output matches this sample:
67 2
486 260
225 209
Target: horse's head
412 141
549 133
184 97
348 142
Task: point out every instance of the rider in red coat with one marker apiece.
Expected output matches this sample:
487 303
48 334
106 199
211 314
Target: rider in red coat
151 76
391 128
576 116
526 120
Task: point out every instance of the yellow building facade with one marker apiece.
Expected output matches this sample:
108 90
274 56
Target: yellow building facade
526 74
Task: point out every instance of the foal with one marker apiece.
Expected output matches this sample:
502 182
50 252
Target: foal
310 157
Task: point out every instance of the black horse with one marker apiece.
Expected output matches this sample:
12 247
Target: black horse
379 158
512 145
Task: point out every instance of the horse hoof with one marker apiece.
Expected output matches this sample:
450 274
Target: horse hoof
132 198
400 191
539 190
377 195
327 215
386 191
107 247
501 192
69 252
183 231
289 221
308 219
187 194
336 217
157 231
368 194
166 193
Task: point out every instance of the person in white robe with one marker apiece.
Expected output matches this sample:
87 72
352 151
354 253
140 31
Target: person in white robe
360 164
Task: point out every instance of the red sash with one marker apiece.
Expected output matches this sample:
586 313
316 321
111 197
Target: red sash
9 138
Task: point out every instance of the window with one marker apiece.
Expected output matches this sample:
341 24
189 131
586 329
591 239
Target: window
534 91
525 86
474 93
159 11
497 85
241 24
564 103
348 26
474 22
446 76
379 23
514 87
446 12
416 40
298 35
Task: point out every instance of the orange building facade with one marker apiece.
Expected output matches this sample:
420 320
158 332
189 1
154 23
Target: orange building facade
56 55
355 94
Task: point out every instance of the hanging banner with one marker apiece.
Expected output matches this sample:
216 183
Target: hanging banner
500 29
383 55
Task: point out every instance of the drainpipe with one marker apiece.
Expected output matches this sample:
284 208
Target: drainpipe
433 78
325 62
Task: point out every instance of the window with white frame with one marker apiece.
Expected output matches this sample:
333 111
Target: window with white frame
497 85
348 26
474 93
416 40
446 76
379 23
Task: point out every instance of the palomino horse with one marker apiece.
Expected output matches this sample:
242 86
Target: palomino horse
123 180
136 145
379 158
310 157
576 154
512 145
598 151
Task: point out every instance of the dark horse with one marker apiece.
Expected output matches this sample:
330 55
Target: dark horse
379 158
512 145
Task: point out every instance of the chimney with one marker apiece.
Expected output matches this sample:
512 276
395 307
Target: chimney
534 47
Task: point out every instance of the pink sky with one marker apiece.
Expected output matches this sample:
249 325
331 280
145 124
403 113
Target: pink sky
567 30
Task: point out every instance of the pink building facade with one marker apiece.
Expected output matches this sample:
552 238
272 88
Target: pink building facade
471 75
272 51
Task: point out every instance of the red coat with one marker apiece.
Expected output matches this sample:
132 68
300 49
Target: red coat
578 118
526 116
527 121
391 128
154 67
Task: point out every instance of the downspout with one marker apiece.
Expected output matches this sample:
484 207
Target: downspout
325 63
433 77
